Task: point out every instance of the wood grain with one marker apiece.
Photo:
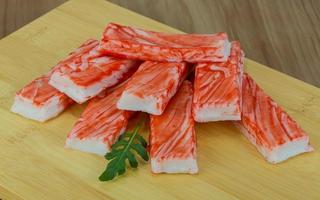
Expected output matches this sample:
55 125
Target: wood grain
34 164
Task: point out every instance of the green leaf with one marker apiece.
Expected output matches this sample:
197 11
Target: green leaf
112 154
119 144
132 160
141 151
107 176
123 150
142 141
122 167
125 135
110 171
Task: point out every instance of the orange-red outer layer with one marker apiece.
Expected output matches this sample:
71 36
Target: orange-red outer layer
135 43
218 85
172 133
92 66
157 80
264 119
39 91
101 119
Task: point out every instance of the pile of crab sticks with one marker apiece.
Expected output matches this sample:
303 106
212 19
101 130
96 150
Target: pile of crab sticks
131 70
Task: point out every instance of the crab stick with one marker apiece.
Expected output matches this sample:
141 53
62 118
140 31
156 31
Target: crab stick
91 72
268 127
135 43
40 101
100 125
217 88
172 138
152 86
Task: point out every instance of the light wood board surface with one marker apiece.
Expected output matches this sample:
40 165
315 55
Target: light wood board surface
34 164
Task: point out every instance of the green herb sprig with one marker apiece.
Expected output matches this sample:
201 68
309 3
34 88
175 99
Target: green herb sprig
126 148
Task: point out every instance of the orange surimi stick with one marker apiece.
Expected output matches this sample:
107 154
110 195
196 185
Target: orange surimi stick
134 43
40 101
87 75
152 86
172 138
217 88
100 125
267 126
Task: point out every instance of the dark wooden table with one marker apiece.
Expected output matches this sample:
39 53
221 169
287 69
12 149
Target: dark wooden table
282 34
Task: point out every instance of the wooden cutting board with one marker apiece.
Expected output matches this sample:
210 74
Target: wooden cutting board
34 164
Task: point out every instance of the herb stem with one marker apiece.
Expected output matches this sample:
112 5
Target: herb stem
130 141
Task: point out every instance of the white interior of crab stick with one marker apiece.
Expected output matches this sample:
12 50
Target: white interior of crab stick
28 109
129 101
281 152
217 114
188 165
93 145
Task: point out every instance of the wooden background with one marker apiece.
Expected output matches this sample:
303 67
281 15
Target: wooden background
283 34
